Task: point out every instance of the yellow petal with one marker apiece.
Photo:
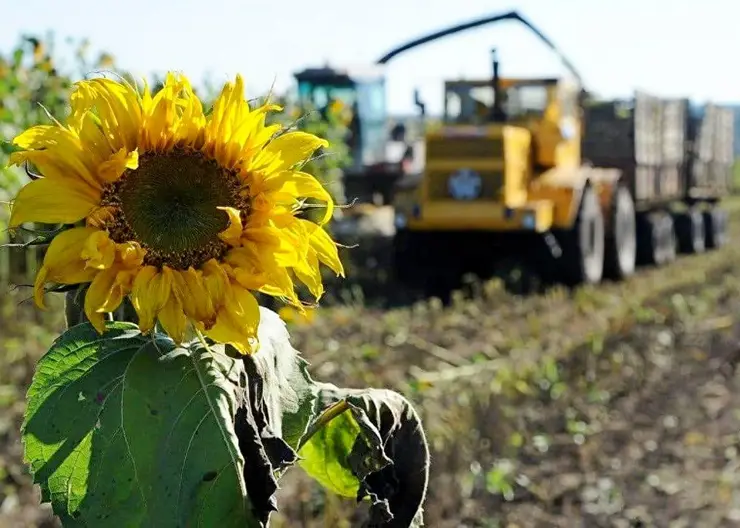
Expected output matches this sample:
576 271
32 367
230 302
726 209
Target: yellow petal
232 234
287 314
87 126
112 169
280 284
237 322
118 107
182 292
325 247
151 291
173 320
103 295
190 289
263 203
251 280
49 201
216 282
309 273
246 268
284 248
130 254
38 287
301 185
191 128
260 270
63 263
100 217
286 245
160 118
230 110
294 147
65 151
99 251
52 166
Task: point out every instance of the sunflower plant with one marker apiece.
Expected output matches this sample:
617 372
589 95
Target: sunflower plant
173 398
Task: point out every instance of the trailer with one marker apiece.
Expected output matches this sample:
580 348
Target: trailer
676 161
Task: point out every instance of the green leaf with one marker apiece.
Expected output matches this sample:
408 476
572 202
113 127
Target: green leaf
130 430
325 455
370 443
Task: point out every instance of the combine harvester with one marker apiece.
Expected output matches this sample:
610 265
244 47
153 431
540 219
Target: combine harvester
582 189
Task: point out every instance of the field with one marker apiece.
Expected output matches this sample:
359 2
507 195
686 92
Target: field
616 405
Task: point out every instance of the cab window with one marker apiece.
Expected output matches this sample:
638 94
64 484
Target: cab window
468 104
525 101
319 95
471 104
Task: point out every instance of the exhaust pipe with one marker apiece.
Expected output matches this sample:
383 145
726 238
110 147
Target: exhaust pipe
497 111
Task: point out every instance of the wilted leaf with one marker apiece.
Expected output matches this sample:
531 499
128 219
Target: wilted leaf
277 406
283 390
370 443
128 430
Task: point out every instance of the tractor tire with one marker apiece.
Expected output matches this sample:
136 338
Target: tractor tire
584 245
621 243
656 239
715 228
405 265
690 232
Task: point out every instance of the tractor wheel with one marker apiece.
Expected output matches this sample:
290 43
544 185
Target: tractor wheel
405 264
690 231
621 243
715 228
583 245
656 239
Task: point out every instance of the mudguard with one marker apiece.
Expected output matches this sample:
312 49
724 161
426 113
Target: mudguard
565 185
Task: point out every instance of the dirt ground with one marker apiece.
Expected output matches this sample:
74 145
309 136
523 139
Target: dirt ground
612 406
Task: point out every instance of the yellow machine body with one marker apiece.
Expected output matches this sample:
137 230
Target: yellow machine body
524 174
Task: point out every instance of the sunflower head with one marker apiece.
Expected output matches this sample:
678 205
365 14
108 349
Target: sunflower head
188 214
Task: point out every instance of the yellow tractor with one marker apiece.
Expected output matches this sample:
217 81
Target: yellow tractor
523 166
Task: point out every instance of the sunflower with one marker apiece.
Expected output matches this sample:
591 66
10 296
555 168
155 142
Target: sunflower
184 212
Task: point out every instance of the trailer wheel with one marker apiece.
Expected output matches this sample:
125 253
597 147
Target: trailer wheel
648 239
690 231
583 245
621 244
667 238
715 228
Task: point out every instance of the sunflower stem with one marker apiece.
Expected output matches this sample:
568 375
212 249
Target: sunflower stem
327 416
202 340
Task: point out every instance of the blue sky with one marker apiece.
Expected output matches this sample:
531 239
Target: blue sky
689 49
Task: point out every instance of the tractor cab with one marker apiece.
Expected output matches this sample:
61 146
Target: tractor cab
546 108
474 102
360 90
